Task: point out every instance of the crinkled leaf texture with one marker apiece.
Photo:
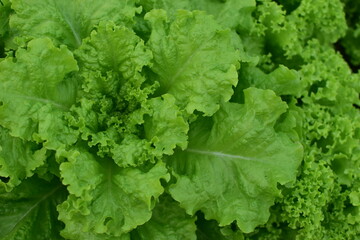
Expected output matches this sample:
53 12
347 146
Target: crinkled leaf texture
106 200
18 159
29 211
111 60
234 162
35 92
114 99
194 59
67 21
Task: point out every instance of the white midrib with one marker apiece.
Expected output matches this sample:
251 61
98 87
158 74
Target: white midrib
35 205
225 155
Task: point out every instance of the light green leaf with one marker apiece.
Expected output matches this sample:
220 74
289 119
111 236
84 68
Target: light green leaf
329 79
107 199
168 222
283 81
29 211
18 159
35 91
165 126
111 60
194 59
327 25
234 162
67 21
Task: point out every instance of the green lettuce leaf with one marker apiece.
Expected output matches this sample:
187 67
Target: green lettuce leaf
283 81
106 199
328 79
110 60
327 25
165 126
194 60
18 159
33 97
234 162
228 13
69 21
168 222
5 10
164 129
29 211
115 99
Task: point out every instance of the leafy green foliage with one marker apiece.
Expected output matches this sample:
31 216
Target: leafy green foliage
209 119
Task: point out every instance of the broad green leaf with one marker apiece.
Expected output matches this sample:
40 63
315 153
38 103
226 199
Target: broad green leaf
234 162
67 21
168 222
35 91
29 211
18 159
107 199
194 59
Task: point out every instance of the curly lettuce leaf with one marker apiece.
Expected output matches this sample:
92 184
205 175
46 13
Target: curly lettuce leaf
165 126
319 205
34 97
329 80
327 25
29 211
67 22
234 162
115 52
106 199
164 129
168 222
115 100
194 59
18 159
111 61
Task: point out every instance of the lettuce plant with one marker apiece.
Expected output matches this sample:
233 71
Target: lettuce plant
209 119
